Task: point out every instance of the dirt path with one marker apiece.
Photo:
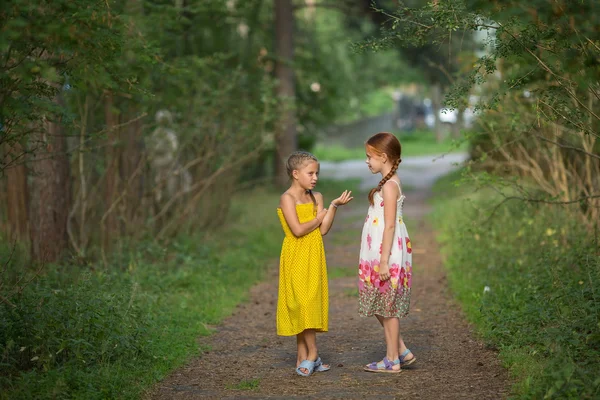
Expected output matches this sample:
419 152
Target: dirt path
248 360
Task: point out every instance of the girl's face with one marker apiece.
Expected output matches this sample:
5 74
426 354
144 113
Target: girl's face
374 161
308 175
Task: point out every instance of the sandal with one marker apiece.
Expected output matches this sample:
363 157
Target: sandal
319 367
406 363
308 365
384 365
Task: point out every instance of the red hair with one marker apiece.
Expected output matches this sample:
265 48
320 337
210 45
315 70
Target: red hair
385 143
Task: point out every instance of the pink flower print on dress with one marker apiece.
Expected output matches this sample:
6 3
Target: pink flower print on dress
400 243
361 285
380 245
366 219
395 271
408 274
369 241
383 285
381 204
408 246
374 271
364 270
402 279
394 275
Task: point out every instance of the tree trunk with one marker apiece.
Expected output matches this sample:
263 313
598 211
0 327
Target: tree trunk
17 195
131 158
285 135
111 178
50 193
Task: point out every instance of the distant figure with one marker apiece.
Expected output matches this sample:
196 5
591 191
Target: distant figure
303 300
385 264
169 176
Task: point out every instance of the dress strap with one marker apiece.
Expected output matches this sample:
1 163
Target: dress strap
399 187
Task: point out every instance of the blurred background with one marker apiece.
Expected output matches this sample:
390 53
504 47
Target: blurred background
121 119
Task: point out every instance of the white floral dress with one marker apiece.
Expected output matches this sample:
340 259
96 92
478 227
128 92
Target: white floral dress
390 298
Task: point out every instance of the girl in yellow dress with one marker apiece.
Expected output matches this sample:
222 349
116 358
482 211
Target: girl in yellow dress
303 303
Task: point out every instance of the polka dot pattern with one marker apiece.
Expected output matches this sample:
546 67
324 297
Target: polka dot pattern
303 301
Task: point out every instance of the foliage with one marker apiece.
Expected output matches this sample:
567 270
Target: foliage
108 334
541 65
527 277
110 67
43 55
112 333
349 83
433 43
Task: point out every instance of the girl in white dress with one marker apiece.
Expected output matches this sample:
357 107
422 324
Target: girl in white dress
385 268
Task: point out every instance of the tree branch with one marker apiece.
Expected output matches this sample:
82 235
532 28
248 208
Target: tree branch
568 147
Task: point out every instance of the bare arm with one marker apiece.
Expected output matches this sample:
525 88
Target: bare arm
329 217
390 194
288 206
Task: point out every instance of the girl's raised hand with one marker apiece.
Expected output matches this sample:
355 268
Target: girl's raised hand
345 198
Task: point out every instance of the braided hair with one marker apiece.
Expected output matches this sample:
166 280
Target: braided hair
296 161
388 144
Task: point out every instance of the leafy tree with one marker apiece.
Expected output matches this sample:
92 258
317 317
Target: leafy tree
48 48
538 84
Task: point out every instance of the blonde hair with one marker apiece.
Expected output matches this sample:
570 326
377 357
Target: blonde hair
296 161
385 143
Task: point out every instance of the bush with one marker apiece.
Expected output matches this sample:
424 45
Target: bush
528 279
93 321
81 332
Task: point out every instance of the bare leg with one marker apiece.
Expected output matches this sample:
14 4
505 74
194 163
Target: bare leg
307 350
302 348
310 336
391 328
401 344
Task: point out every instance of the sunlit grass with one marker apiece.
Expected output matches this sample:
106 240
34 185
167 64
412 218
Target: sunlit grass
420 143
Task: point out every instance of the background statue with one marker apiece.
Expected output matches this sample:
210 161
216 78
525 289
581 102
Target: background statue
170 177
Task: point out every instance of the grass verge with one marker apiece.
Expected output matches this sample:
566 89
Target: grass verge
528 279
420 143
91 333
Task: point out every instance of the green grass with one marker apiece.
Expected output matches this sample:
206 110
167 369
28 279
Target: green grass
341 272
246 384
542 269
351 235
87 332
421 143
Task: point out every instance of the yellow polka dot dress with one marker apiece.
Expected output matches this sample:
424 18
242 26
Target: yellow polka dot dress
303 301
